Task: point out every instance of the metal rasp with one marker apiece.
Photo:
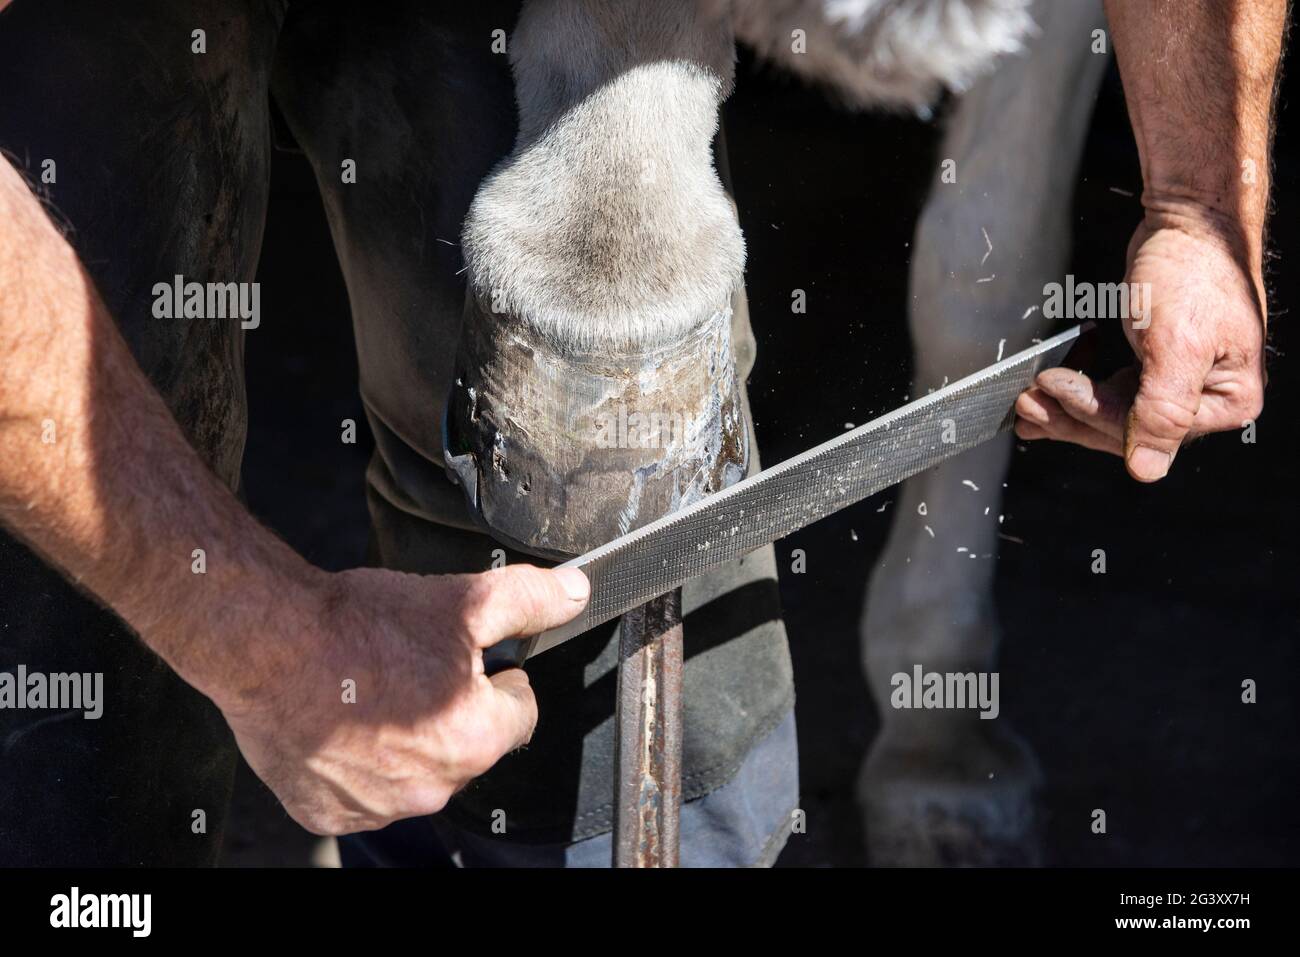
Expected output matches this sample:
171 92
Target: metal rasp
656 558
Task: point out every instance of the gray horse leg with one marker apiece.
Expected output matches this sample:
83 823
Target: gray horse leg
945 786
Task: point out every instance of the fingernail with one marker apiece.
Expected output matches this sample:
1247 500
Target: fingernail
1148 464
574 583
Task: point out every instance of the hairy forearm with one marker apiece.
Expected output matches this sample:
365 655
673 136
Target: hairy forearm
1199 77
96 475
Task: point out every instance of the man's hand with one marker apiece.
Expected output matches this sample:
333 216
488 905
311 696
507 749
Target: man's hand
120 501
422 719
1199 78
1200 348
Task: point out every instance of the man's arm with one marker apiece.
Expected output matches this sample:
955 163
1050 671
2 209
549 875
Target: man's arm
119 501
1199 77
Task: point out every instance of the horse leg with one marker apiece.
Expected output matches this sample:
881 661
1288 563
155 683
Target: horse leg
944 786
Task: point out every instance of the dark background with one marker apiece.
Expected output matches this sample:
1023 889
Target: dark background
1126 684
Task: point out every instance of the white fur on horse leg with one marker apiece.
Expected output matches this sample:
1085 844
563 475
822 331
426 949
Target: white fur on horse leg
886 53
1015 140
602 255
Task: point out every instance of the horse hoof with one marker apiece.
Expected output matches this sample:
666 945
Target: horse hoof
560 449
969 803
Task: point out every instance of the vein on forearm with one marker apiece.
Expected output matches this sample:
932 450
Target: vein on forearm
1200 80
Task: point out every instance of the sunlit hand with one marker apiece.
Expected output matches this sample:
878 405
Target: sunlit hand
1200 348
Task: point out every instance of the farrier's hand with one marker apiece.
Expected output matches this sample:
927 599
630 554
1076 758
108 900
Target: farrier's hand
426 719
1200 358
125 506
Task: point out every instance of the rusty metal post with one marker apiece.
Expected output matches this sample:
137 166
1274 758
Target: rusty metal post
648 757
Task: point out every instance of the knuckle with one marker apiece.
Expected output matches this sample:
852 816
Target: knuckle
523 590
425 798
457 741
475 605
320 824
465 743
1163 417
1251 402
459 764
339 827
531 591
479 763
473 747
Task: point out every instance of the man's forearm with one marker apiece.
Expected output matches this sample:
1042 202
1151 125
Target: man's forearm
1199 77
96 475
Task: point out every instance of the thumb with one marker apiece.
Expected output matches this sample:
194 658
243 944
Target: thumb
1167 400
516 601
